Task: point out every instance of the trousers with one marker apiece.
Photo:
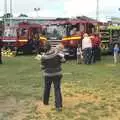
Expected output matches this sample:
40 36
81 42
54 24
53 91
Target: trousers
56 80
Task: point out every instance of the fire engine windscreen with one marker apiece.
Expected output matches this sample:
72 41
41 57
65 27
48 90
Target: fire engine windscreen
10 32
55 32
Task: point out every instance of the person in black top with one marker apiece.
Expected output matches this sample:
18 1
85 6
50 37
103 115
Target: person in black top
0 52
51 64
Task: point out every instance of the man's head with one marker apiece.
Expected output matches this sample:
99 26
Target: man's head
96 34
85 35
47 46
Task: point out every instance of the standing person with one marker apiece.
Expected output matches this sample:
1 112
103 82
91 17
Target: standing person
94 48
51 63
79 55
87 49
97 42
116 53
0 52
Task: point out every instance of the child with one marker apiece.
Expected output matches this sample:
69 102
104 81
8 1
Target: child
60 52
116 53
79 55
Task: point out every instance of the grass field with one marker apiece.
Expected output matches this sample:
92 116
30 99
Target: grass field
90 92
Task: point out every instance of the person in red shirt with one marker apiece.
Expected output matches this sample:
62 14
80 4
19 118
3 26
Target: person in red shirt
96 54
97 47
93 48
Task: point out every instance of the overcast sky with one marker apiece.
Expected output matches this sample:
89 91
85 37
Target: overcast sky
65 8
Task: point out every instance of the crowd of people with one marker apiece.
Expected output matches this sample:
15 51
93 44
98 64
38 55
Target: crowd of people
51 62
88 52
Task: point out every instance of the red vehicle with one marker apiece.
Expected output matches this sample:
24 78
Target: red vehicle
72 33
24 37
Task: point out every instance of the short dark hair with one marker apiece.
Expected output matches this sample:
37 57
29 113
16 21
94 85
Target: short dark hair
47 46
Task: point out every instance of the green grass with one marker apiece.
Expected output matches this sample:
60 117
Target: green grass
90 92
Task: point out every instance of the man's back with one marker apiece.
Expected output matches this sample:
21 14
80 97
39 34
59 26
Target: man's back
51 62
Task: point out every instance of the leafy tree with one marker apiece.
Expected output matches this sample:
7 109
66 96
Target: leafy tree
23 15
7 15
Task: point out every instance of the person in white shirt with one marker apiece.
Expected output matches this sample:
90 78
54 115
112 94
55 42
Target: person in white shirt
87 48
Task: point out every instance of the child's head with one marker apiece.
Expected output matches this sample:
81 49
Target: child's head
60 47
116 45
47 46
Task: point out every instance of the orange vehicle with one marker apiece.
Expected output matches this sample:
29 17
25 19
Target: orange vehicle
24 37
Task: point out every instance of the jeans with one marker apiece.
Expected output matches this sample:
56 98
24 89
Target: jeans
94 54
57 90
87 55
98 54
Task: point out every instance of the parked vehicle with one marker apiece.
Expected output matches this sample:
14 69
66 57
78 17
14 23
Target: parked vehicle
24 37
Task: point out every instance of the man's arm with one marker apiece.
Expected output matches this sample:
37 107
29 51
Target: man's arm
42 63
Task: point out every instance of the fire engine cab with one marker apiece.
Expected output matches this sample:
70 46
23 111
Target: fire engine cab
74 34
70 32
25 38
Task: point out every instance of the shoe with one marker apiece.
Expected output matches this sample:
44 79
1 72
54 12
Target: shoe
59 109
45 103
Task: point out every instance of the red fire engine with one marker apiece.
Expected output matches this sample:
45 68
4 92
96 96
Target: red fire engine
72 33
23 37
